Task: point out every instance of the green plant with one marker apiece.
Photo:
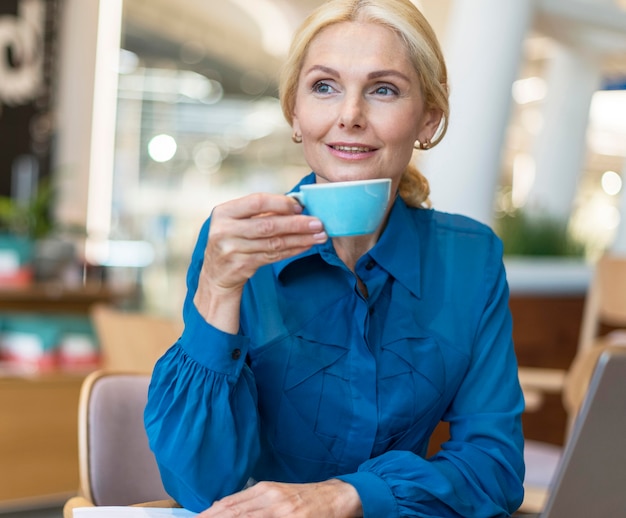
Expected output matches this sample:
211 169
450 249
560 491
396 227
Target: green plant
536 235
29 219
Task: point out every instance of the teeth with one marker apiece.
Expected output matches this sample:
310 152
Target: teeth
352 149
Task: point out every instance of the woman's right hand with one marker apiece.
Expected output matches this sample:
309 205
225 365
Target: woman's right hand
245 234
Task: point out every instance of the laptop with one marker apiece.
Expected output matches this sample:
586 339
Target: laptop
591 479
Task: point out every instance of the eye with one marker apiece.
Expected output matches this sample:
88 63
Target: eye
385 90
322 87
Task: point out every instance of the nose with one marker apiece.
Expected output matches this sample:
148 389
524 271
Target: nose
352 112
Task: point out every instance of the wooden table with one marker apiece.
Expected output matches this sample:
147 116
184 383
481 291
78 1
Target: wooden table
57 298
38 438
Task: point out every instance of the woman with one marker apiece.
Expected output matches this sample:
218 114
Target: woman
321 367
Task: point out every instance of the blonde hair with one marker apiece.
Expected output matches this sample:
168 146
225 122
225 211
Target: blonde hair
424 52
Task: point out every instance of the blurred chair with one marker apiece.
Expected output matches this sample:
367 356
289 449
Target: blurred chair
605 307
132 341
605 303
116 466
604 310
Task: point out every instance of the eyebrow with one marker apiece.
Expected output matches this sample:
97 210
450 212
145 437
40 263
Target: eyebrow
385 73
372 75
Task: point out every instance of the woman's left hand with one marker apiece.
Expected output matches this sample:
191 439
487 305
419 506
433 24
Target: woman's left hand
330 499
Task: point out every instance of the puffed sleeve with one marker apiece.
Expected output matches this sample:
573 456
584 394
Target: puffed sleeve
201 417
480 470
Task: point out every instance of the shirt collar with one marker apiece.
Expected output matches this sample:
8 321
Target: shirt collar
397 251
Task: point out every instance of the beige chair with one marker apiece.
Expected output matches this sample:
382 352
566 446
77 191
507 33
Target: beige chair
605 304
605 308
116 466
132 341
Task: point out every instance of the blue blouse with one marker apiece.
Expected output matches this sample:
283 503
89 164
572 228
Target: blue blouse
322 382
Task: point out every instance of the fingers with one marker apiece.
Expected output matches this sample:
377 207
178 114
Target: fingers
330 499
259 216
233 505
262 500
257 204
244 235
267 226
253 231
269 234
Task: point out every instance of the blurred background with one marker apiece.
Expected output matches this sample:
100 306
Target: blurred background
136 118
124 122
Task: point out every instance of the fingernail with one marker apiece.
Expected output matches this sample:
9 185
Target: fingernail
297 208
321 236
315 224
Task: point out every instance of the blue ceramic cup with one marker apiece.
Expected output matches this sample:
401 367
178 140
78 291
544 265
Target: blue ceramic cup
346 208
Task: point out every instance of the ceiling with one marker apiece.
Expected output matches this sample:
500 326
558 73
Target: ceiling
228 38
242 43
223 39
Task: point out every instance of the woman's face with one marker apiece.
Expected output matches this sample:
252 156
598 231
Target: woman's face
358 104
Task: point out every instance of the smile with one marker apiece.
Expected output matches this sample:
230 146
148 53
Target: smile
352 149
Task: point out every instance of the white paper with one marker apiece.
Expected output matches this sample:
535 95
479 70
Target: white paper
131 512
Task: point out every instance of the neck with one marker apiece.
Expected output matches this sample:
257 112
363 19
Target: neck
351 248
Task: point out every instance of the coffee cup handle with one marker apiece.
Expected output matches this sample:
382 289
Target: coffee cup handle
297 196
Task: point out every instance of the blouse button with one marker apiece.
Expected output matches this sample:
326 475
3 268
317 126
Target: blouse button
236 354
370 265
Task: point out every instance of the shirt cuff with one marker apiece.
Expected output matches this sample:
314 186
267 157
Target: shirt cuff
214 349
376 497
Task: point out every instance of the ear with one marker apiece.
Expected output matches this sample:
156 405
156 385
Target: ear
430 124
295 123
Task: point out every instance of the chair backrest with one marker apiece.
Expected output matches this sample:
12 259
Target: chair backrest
606 299
132 341
582 368
116 465
612 285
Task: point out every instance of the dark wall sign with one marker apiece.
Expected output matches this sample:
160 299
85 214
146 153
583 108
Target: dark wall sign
27 66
